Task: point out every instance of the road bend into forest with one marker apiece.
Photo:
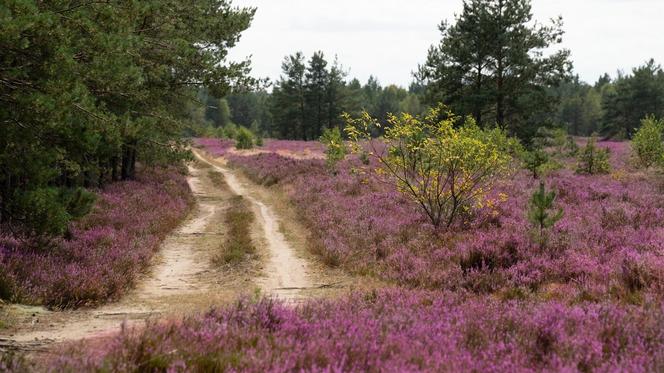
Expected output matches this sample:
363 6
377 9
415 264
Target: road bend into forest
184 278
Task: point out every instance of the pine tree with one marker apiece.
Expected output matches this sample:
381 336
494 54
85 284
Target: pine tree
490 64
336 95
90 90
224 113
317 81
593 159
534 160
289 95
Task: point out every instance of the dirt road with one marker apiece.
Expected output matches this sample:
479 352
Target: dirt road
285 274
184 278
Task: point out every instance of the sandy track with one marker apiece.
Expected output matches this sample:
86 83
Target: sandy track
182 280
285 274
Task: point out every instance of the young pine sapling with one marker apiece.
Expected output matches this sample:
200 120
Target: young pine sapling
541 212
593 159
534 160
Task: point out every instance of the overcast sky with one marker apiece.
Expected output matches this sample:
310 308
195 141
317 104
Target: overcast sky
388 38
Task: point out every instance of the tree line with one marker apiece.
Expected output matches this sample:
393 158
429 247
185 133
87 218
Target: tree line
613 107
494 62
308 98
90 90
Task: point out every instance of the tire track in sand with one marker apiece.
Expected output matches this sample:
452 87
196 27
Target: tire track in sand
285 274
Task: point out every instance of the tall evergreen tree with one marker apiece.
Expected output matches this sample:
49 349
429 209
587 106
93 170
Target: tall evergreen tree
317 81
88 89
224 113
490 64
289 95
336 95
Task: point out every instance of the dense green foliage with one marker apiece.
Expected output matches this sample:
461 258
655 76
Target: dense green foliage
310 97
90 89
612 107
648 142
445 166
335 149
244 139
630 98
580 108
490 64
593 159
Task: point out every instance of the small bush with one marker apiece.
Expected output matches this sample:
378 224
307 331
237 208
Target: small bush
571 146
335 148
550 137
446 168
244 139
593 159
78 202
229 131
648 142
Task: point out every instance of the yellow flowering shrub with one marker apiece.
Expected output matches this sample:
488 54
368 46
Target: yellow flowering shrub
445 166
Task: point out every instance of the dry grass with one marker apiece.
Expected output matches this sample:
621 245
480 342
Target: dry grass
238 243
218 180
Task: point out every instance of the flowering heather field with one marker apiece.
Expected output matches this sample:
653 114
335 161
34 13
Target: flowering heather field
608 246
294 146
392 331
108 249
483 297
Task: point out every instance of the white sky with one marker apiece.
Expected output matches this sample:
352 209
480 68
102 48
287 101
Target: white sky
388 38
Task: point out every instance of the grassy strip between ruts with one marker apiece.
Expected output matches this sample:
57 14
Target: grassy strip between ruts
238 219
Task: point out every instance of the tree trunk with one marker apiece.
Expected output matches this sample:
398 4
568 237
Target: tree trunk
114 168
128 161
478 90
500 94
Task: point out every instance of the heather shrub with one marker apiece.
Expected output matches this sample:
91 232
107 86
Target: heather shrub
105 250
335 149
376 230
593 159
446 169
244 139
648 142
391 331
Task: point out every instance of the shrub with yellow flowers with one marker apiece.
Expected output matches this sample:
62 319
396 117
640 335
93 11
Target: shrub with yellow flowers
445 163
